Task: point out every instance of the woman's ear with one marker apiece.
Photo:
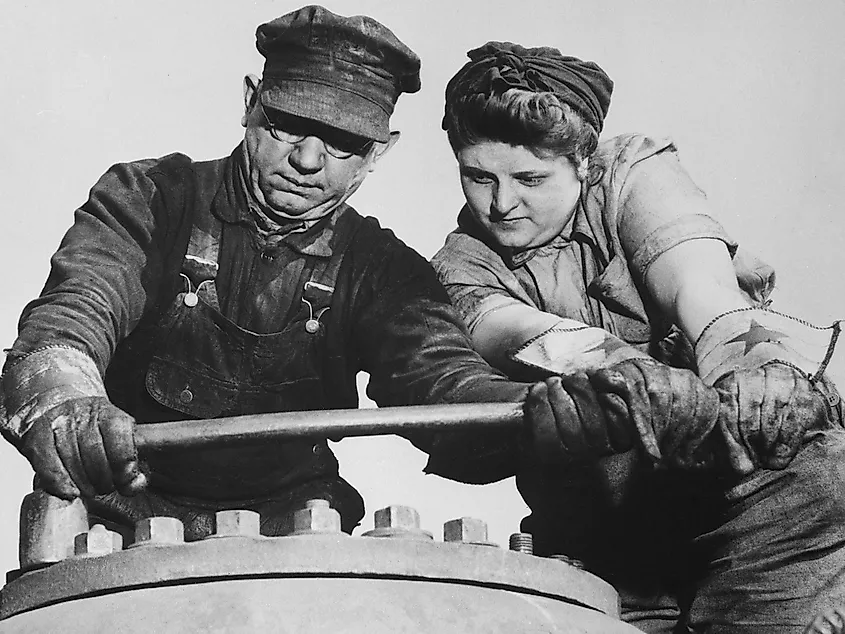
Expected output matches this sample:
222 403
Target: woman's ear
583 169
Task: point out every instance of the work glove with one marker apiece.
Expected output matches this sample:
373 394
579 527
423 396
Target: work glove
830 621
567 420
768 369
669 410
84 446
765 413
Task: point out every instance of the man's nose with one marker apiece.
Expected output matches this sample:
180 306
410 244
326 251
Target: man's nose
504 200
308 155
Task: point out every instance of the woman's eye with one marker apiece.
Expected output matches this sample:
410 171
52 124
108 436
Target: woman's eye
531 181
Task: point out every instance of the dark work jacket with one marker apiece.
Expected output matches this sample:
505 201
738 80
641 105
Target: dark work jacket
116 291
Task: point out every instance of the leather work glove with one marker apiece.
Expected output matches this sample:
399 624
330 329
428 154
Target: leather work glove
765 413
670 410
760 361
84 446
568 421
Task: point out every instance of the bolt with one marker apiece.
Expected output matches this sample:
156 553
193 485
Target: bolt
467 530
316 517
159 531
575 563
237 523
522 543
98 540
397 521
404 517
49 526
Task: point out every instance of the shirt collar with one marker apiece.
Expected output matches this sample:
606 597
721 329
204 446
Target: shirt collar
235 204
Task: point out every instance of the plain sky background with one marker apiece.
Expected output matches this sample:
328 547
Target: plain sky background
751 91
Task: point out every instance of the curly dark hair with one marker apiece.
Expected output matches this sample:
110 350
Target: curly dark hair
539 121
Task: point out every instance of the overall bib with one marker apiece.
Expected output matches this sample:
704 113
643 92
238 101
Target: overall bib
197 363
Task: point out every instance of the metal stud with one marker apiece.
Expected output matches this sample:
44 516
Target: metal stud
97 541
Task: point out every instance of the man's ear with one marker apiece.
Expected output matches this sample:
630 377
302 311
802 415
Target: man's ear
251 84
380 149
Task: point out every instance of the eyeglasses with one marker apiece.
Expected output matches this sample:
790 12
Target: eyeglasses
293 130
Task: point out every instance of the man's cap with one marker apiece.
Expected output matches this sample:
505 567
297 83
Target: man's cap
345 72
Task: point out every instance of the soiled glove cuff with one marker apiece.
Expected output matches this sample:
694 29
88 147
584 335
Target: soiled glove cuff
38 382
571 346
749 338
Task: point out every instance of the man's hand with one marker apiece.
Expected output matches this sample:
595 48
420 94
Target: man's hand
671 411
84 446
569 421
765 413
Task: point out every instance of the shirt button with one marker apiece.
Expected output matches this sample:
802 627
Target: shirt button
316 449
186 396
833 399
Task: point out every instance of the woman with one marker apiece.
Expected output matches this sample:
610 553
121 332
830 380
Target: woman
573 255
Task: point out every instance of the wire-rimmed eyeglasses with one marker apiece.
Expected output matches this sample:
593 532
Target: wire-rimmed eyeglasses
339 144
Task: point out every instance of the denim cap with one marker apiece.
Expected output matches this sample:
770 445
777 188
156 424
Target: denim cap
344 72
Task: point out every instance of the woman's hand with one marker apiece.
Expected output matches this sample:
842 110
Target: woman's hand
765 413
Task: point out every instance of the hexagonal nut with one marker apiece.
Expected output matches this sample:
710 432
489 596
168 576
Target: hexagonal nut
98 540
159 531
316 517
395 516
465 529
49 526
575 563
237 523
397 521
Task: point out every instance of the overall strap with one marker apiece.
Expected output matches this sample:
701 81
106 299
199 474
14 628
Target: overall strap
318 290
199 268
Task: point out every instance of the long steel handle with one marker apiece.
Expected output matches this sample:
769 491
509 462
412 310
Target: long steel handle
254 428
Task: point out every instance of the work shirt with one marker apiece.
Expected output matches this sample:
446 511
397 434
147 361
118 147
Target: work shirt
637 204
120 268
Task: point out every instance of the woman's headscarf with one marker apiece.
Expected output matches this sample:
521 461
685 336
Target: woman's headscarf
499 66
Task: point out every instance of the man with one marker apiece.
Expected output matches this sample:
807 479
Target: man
247 285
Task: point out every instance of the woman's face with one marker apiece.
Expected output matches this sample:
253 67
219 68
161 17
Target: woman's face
520 199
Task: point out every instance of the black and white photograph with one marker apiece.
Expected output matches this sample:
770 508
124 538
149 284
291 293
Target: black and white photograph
423 317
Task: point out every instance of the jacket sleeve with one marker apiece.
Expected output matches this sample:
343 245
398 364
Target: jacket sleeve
418 352
102 277
103 273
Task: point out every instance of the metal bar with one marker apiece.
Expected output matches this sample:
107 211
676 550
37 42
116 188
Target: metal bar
255 428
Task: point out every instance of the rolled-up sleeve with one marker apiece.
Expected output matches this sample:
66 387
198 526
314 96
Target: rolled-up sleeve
661 207
477 282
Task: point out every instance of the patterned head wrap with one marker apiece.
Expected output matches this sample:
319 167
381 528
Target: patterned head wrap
499 66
